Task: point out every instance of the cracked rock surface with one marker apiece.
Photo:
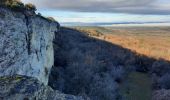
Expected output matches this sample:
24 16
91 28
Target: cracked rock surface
19 87
26 46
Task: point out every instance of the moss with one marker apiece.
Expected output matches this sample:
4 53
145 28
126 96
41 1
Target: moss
18 77
8 79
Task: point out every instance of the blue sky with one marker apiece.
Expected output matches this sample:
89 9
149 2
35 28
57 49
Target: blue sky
92 11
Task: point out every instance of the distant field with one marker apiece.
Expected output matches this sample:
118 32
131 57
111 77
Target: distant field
150 41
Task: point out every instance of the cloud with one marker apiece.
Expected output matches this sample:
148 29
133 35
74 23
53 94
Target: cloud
157 7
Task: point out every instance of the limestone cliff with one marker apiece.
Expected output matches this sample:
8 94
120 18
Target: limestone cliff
27 55
26 44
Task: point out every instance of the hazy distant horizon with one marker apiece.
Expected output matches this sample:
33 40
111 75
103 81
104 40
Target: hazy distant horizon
105 11
117 24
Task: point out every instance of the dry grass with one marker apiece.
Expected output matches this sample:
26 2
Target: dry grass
151 41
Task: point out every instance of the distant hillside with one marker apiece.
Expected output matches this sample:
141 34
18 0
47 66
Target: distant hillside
116 24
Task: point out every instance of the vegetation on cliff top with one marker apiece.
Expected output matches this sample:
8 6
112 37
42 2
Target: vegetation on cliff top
18 5
28 8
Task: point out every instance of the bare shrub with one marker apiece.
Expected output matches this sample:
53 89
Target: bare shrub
160 67
164 81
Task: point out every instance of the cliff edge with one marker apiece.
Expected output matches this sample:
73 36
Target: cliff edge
26 44
27 55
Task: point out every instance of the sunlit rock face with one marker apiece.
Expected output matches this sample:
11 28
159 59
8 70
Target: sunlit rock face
26 44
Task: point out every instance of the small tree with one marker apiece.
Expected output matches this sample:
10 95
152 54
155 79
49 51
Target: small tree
30 7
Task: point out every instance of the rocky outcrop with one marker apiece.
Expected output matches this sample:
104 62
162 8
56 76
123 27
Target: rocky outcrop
19 87
26 46
27 55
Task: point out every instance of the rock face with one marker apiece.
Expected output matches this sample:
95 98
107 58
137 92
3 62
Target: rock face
26 44
19 87
26 56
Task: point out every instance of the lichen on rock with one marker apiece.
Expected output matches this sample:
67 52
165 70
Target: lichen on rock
26 44
19 87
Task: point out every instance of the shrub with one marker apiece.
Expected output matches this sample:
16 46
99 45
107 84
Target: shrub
103 87
51 19
164 81
117 73
30 7
14 4
160 67
39 14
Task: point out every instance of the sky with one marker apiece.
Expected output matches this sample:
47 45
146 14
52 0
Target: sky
104 11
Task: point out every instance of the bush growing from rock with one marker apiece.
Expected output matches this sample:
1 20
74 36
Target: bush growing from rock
51 19
14 4
30 7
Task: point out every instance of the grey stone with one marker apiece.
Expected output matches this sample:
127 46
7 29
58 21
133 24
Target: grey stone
26 44
19 87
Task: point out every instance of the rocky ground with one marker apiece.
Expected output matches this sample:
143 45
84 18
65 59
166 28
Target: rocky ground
19 87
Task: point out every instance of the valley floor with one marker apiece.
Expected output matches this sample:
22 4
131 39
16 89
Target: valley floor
153 42
112 64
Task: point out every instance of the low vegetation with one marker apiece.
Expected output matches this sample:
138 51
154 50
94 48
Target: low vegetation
30 7
18 5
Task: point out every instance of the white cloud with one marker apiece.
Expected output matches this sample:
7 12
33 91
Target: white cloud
114 6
